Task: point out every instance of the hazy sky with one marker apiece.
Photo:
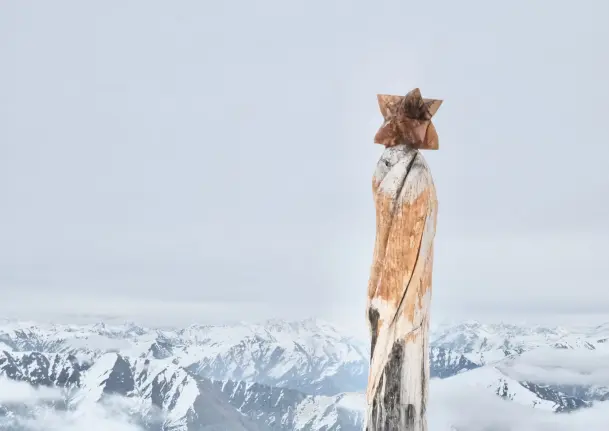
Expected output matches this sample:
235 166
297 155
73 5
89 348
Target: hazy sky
213 160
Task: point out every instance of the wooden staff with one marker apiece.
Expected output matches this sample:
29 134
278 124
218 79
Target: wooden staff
399 289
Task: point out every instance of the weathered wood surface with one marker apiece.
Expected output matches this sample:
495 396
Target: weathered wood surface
399 292
399 289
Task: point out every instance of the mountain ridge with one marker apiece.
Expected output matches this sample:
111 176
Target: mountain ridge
275 375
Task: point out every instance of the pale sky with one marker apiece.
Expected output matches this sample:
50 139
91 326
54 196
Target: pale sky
213 160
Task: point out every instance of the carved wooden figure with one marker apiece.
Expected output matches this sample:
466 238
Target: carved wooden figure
399 289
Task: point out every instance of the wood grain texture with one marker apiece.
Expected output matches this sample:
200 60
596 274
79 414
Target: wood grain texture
399 291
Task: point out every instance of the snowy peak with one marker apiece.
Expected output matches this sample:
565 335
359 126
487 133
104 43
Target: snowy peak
42 369
291 376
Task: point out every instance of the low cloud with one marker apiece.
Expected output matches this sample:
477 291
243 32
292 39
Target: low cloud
560 367
458 408
12 392
471 408
100 342
97 417
34 410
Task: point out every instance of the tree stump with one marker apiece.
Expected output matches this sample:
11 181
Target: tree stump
399 289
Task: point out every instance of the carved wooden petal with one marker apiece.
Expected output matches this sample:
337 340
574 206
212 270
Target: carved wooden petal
407 120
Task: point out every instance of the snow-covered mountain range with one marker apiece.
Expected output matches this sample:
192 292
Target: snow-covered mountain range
276 375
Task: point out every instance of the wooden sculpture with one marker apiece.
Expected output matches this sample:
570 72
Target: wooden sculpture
399 289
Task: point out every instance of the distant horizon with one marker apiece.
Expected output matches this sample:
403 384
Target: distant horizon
153 321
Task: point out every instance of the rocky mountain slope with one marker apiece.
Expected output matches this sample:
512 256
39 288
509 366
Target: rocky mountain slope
271 376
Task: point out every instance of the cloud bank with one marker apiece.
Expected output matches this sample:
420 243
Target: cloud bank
34 410
560 367
457 408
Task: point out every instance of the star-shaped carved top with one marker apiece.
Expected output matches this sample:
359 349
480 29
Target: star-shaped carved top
408 121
